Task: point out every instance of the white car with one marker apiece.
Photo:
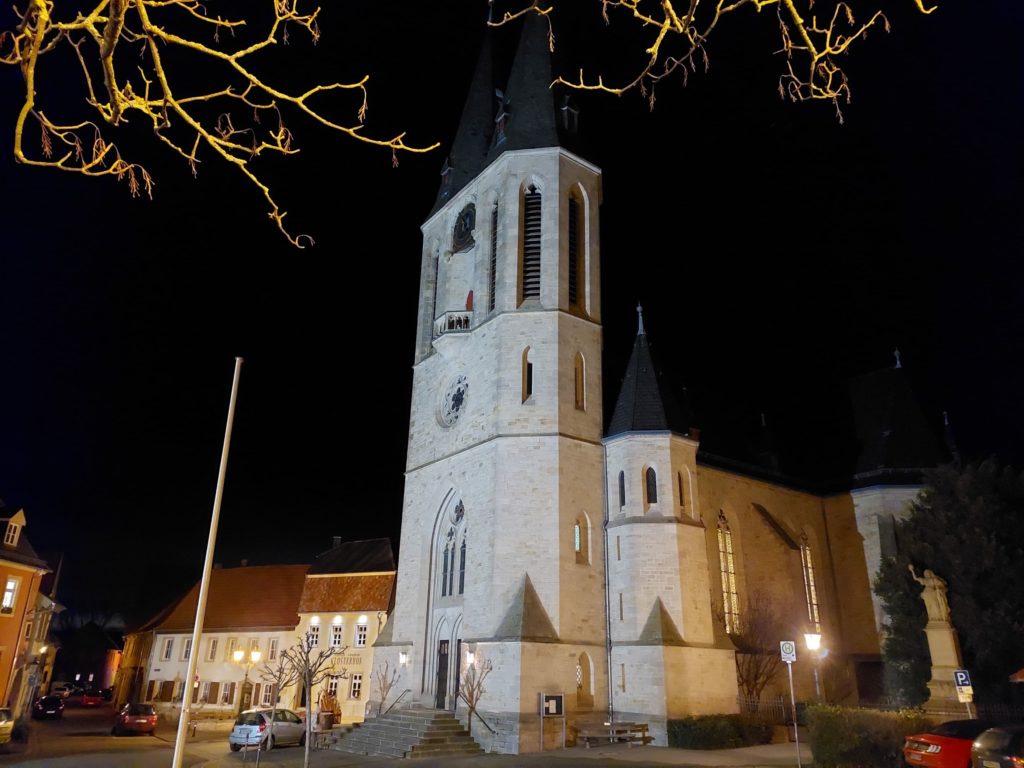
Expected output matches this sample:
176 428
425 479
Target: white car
6 725
252 728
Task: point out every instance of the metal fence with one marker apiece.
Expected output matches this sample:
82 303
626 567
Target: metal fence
774 709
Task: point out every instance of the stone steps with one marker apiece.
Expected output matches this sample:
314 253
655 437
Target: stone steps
409 733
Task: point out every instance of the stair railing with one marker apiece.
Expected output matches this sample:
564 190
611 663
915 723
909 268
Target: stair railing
393 703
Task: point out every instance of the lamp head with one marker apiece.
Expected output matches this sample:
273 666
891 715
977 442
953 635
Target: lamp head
254 656
238 655
813 640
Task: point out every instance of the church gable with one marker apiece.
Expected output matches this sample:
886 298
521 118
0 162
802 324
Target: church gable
526 620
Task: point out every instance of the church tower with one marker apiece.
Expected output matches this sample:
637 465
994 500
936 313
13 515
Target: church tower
501 567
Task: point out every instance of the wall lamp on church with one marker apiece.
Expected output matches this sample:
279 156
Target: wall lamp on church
403 658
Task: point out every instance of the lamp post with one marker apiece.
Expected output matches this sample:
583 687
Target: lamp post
813 641
240 657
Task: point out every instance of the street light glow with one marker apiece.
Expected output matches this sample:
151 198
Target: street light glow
238 655
813 640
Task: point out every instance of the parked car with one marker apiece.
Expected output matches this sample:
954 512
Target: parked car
48 707
251 729
91 698
67 690
1000 747
135 718
107 694
944 746
6 725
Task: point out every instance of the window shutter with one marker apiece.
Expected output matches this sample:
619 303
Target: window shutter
531 243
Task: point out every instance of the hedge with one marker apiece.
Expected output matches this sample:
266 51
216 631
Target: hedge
718 731
860 738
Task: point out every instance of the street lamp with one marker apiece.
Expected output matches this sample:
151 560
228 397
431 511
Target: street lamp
813 641
240 658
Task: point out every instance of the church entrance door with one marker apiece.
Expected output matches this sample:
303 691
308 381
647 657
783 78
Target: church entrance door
442 674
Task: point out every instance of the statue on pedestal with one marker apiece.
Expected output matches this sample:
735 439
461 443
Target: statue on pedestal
933 594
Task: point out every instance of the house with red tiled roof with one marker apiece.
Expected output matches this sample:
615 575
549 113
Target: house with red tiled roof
346 600
248 609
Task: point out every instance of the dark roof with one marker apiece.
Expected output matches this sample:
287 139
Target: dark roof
895 439
253 597
646 403
347 592
365 556
22 552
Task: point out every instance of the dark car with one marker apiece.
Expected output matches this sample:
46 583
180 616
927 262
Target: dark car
1001 747
107 694
90 698
944 746
48 707
135 718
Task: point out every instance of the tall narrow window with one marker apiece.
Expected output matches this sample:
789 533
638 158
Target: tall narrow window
313 636
11 535
357 686
337 631
186 651
492 272
362 628
212 653
581 383
651 482
682 490
444 573
527 374
462 566
622 489
272 650
727 562
437 286
575 251
581 540
810 590
584 682
530 285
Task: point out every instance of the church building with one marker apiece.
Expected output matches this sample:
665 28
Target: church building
546 552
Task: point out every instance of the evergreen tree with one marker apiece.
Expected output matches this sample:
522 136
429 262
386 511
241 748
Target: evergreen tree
967 527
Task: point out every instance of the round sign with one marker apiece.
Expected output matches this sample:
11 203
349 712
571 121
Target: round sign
787 649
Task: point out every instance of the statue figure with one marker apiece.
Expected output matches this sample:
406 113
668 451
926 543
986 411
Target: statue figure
933 594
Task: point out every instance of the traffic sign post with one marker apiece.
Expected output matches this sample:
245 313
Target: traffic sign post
787 650
552 705
964 689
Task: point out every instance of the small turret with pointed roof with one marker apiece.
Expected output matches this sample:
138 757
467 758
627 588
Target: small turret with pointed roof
646 403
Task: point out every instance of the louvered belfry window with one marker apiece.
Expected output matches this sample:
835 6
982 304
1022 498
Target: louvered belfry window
531 243
574 252
493 272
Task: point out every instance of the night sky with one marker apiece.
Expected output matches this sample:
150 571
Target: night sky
775 251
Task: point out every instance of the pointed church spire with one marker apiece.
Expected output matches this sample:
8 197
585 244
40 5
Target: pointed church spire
897 355
640 320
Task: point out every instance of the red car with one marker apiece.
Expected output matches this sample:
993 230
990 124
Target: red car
945 746
135 718
90 698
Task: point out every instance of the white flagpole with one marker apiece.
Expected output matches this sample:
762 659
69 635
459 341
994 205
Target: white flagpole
204 584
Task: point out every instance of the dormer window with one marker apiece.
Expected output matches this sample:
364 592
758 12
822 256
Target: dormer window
11 535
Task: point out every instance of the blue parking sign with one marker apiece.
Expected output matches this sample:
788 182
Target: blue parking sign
961 678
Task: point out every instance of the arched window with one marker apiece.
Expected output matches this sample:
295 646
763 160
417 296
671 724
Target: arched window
492 272
682 491
810 590
581 539
727 562
462 566
575 232
622 489
529 287
581 383
584 682
444 573
527 374
651 484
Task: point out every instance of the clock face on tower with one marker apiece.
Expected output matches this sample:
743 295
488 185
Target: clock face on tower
453 402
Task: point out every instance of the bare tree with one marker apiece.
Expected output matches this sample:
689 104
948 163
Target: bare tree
384 681
471 687
132 57
279 674
312 665
759 629
813 36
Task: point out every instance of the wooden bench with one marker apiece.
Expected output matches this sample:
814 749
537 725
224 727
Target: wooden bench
616 732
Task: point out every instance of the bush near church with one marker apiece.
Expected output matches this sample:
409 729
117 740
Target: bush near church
841 737
718 731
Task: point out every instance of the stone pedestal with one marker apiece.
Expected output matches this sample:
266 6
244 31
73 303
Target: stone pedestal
945 652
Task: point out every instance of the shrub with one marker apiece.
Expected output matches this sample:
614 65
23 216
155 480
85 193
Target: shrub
860 738
718 731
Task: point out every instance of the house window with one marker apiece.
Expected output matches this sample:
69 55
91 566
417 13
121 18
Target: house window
10 595
651 482
529 287
527 374
575 251
28 630
272 650
313 635
267 696
205 695
622 489
211 653
727 562
229 693
810 590
361 630
581 383
11 535
332 685
357 686
492 272
336 632
229 651
186 649
168 648
462 566
254 645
